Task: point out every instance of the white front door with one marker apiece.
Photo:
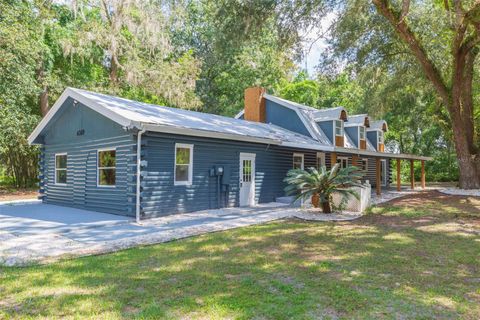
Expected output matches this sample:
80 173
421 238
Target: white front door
383 172
247 179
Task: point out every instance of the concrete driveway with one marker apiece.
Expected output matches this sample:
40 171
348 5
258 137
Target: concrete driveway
36 232
37 218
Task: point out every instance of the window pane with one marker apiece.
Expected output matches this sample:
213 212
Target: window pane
181 173
297 162
362 133
61 161
107 158
106 177
338 128
61 176
183 155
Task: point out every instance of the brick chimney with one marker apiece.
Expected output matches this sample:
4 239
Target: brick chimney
254 104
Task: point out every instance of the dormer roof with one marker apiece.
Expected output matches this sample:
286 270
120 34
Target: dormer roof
337 113
379 125
359 120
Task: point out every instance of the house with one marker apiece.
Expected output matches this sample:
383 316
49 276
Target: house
114 155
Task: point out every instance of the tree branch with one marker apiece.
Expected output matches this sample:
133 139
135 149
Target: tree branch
404 31
405 9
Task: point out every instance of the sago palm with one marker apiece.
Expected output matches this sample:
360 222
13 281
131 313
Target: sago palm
306 184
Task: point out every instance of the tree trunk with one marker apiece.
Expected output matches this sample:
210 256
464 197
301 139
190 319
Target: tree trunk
457 97
43 101
468 162
326 207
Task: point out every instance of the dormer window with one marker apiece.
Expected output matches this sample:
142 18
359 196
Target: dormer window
380 137
339 128
362 133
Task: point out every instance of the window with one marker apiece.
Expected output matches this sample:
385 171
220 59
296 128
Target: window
380 137
320 160
106 167
362 133
183 164
343 162
339 128
298 161
364 164
247 170
61 168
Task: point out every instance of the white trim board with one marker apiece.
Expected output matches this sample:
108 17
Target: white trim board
190 165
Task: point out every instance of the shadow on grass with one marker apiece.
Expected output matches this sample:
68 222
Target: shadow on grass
382 265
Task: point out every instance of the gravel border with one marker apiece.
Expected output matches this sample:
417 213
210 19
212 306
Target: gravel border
460 192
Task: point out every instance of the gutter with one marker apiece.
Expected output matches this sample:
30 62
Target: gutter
139 169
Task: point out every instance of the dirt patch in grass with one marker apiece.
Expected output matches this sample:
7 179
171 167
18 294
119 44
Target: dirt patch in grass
9 194
425 208
413 258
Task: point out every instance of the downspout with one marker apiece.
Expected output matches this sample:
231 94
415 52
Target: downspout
139 170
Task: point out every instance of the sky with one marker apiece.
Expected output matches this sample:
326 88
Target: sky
313 46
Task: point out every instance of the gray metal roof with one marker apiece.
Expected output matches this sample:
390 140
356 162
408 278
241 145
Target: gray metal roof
165 119
328 114
155 115
356 120
378 125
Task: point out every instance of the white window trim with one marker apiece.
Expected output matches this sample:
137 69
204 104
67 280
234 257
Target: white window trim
364 133
366 163
301 155
190 165
342 158
321 155
335 128
55 172
98 168
380 133
383 183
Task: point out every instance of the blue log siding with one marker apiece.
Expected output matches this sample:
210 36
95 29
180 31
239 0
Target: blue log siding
81 189
81 132
284 117
160 197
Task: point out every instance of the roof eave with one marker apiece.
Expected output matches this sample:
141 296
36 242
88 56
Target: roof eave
381 154
208 134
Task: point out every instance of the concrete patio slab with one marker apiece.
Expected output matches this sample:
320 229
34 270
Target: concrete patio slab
38 218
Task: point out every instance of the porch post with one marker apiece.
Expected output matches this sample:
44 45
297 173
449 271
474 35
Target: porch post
423 174
355 160
398 175
412 175
377 176
333 159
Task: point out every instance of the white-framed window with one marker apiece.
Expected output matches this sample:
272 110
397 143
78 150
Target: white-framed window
106 167
183 164
320 160
343 161
364 164
380 137
339 128
61 168
298 161
362 133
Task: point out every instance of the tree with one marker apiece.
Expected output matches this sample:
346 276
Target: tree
20 47
454 85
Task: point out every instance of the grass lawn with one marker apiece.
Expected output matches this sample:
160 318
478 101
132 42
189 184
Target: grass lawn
418 257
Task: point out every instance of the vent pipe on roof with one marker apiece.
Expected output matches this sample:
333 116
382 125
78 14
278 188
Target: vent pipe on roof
254 104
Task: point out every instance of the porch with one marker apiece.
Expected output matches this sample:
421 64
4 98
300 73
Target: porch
380 170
